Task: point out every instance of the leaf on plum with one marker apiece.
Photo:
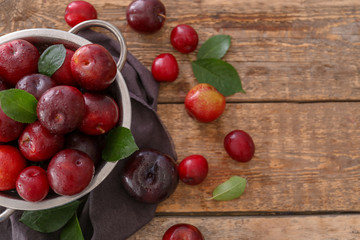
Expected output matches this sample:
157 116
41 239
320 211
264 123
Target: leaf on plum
52 59
19 105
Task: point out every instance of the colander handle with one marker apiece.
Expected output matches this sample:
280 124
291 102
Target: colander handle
114 30
6 214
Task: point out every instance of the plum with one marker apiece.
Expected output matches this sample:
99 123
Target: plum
85 143
193 169
79 11
18 58
35 84
36 143
184 38
150 176
63 75
204 103
102 114
70 171
93 67
61 109
165 68
146 16
183 231
239 145
9 129
32 184
11 164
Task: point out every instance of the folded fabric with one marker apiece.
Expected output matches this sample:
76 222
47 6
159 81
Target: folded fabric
109 213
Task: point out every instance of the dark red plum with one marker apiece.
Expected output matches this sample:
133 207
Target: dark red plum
36 143
61 109
102 114
85 143
146 16
9 129
79 11
63 75
165 68
193 169
93 67
184 38
35 84
150 176
18 58
32 184
239 145
70 171
183 231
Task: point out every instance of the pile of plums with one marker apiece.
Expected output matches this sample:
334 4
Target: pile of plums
60 150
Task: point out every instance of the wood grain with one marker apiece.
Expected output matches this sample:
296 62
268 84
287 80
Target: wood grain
307 157
334 227
283 50
298 61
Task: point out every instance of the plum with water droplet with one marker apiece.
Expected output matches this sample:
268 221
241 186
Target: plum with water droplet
70 171
35 84
150 176
18 58
93 67
36 143
32 184
102 114
61 109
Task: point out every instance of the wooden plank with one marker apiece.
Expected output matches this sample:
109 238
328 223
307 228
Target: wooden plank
334 227
307 157
283 50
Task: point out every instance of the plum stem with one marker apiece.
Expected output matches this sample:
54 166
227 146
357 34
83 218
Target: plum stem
162 15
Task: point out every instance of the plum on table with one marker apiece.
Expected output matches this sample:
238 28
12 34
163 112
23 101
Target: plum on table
150 176
146 16
204 103
165 68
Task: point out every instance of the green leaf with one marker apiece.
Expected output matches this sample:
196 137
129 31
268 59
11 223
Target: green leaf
214 47
229 190
119 144
219 74
51 59
19 105
72 230
49 220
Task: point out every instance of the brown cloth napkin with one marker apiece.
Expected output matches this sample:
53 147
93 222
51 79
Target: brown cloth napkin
109 213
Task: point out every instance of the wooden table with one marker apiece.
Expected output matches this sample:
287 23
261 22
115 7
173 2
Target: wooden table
299 65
